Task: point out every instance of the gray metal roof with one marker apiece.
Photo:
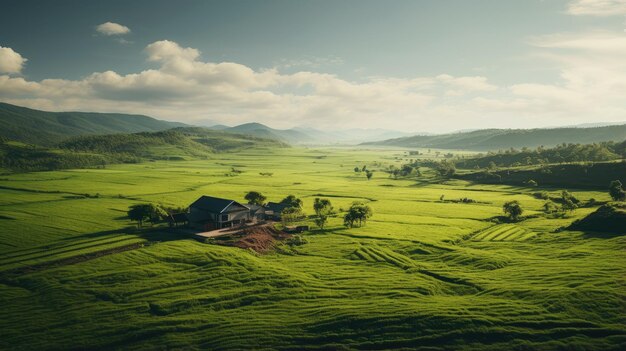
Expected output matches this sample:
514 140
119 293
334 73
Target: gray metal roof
214 204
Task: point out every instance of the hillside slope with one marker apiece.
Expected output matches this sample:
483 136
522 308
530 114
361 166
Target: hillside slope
99 150
48 128
263 131
494 139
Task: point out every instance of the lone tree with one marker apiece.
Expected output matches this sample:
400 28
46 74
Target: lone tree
513 209
291 201
255 198
358 213
617 191
369 174
357 169
323 209
142 212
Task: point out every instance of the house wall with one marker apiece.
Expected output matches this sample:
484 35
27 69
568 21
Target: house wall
239 215
198 215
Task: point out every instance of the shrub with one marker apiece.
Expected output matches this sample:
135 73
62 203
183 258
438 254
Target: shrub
513 209
617 191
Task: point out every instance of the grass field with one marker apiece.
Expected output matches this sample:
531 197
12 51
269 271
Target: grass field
421 274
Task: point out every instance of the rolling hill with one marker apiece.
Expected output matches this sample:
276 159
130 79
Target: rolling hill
494 139
99 150
307 135
48 128
291 136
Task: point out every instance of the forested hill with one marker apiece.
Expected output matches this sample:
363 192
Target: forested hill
99 150
496 139
48 128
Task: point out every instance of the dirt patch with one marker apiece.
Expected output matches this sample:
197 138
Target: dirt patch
260 239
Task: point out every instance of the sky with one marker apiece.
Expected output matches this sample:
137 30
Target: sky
414 66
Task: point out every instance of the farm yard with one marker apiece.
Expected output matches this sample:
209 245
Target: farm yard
423 272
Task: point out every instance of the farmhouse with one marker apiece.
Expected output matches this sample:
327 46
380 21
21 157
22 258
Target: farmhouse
211 213
257 213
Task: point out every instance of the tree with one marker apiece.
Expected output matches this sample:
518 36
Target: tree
446 168
369 174
513 209
323 209
292 201
550 207
255 198
359 212
291 215
364 168
357 169
568 201
142 212
617 191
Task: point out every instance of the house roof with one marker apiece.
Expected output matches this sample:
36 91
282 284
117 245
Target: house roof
254 208
179 217
214 204
276 207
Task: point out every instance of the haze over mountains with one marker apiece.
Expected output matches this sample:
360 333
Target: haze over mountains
307 135
495 139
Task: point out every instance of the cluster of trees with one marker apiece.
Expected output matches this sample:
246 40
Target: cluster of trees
24 158
445 168
153 213
357 215
367 172
132 144
406 170
564 153
573 175
146 212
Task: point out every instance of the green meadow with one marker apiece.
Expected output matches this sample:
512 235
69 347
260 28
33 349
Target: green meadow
421 274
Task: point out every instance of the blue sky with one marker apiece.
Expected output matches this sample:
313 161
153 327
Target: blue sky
409 65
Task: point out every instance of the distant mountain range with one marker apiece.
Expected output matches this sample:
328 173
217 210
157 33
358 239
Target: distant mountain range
50 128
310 136
47 128
495 139
32 140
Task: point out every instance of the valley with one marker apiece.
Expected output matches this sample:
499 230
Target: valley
422 272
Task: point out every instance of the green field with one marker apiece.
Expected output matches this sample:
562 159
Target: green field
422 274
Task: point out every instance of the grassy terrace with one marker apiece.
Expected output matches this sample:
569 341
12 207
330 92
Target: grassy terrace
421 273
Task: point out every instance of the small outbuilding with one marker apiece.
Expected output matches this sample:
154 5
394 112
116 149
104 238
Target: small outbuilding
274 210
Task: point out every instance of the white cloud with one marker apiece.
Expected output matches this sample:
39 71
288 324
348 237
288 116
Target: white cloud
11 61
597 7
165 50
111 28
184 87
